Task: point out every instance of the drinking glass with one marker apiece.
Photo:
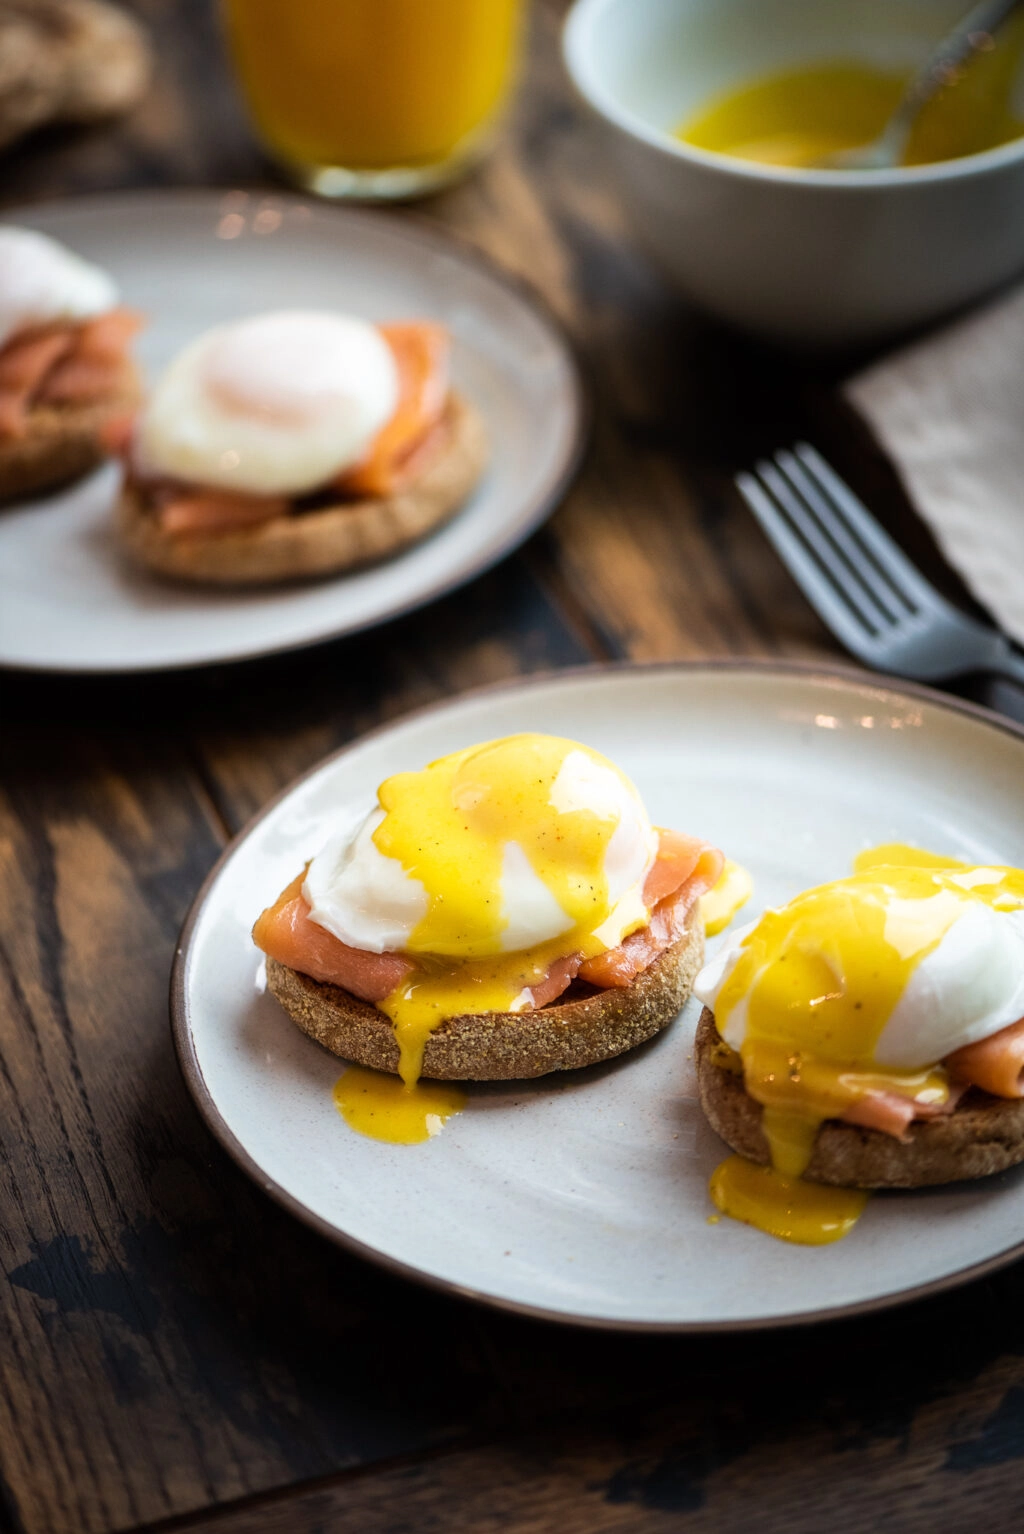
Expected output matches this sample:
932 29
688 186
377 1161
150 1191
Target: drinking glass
374 98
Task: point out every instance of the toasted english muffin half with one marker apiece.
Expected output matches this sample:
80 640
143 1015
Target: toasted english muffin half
63 442
982 1135
321 542
501 1046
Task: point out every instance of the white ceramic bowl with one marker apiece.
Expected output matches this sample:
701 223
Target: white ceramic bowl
819 257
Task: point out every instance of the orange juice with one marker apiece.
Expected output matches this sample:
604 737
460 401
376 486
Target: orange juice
373 86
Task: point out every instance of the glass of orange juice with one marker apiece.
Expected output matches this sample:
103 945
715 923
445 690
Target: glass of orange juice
374 98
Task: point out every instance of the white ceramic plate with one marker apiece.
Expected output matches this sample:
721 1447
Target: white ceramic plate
70 603
583 1197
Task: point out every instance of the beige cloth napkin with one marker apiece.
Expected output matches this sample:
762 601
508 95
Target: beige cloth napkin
949 411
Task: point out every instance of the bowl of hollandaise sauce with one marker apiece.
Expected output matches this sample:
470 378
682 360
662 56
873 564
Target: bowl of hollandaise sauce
725 120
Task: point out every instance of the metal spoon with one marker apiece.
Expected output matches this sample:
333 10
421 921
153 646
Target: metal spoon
971 35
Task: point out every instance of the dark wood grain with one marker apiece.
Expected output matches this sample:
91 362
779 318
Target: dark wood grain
780 1433
175 1351
178 1340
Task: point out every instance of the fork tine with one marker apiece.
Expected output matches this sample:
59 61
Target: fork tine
845 621
887 554
890 597
844 574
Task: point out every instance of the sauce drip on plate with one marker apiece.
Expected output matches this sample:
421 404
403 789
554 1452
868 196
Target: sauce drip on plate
384 1108
787 1207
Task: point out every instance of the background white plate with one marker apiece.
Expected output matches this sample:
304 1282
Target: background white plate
70 602
583 1196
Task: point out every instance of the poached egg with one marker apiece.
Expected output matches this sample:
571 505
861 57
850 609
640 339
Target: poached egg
866 984
487 882
276 404
41 283
503 857
488 851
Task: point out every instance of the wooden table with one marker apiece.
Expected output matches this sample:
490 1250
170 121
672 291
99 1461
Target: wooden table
176 1351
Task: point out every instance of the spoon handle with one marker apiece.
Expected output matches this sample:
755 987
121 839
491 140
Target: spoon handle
972 34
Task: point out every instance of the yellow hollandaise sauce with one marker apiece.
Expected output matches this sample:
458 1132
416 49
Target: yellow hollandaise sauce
803 1212
385 1108
438 991
525 822
720 904
493 873
451 826
798 117
402 1110
817 981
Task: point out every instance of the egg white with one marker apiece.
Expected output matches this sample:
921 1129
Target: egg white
369 901
530 911
278 404
969 987
713 976
42 282
365 899
583 784
966 989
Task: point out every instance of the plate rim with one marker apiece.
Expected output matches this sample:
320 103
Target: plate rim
184 1045
421 231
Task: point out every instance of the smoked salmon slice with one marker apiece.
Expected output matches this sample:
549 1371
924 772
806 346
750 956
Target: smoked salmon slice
116 433
91 366
287 934
886 1111
619 967
688 869
558 979
995 1064
106 338
679 858
893 1113
24 364
218 511
25 361
76 380
396 455
421 351
62 364
684 869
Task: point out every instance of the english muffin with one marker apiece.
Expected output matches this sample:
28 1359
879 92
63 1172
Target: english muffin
506 911
868 1034
298 444
68 385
